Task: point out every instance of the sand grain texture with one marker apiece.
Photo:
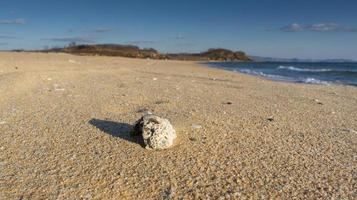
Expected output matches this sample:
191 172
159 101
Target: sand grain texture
65 121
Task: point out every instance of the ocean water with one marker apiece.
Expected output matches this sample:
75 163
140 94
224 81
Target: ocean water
299 72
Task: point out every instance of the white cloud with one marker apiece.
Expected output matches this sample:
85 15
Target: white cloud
318 27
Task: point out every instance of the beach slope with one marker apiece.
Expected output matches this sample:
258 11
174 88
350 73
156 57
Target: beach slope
65 122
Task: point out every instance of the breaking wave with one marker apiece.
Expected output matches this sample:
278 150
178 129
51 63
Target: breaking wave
314 81
309 80
310 73
270 76
292 68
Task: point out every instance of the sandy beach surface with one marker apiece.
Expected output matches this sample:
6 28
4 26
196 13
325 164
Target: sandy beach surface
65 121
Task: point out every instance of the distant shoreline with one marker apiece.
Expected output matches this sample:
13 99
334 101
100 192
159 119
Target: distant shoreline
322 73
131 51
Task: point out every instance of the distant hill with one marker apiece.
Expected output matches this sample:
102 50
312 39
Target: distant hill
132 51
109 50
212 55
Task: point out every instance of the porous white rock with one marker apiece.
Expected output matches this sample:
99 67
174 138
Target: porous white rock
156 132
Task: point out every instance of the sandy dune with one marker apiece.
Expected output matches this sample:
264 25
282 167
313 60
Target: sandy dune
64 124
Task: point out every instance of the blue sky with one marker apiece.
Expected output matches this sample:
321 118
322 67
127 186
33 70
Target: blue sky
304 29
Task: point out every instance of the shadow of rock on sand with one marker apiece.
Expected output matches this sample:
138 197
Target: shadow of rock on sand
117 129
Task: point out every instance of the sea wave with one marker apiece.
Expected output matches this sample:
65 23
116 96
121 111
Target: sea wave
270 76
310 73
308 80
292 68
314 81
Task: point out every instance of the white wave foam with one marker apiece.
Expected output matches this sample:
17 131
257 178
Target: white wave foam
271 76
315 81
308 80
292 68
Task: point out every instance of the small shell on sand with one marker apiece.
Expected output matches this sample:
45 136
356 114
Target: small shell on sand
270 118
318 101
350 130
157 132
196 126
57 88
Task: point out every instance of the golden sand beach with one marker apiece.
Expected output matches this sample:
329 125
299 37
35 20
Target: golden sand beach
65 122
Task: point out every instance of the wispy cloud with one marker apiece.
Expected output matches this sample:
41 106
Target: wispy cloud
13 21
78 39
318 27
294 27
102 30
8 37
323 27
330 27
